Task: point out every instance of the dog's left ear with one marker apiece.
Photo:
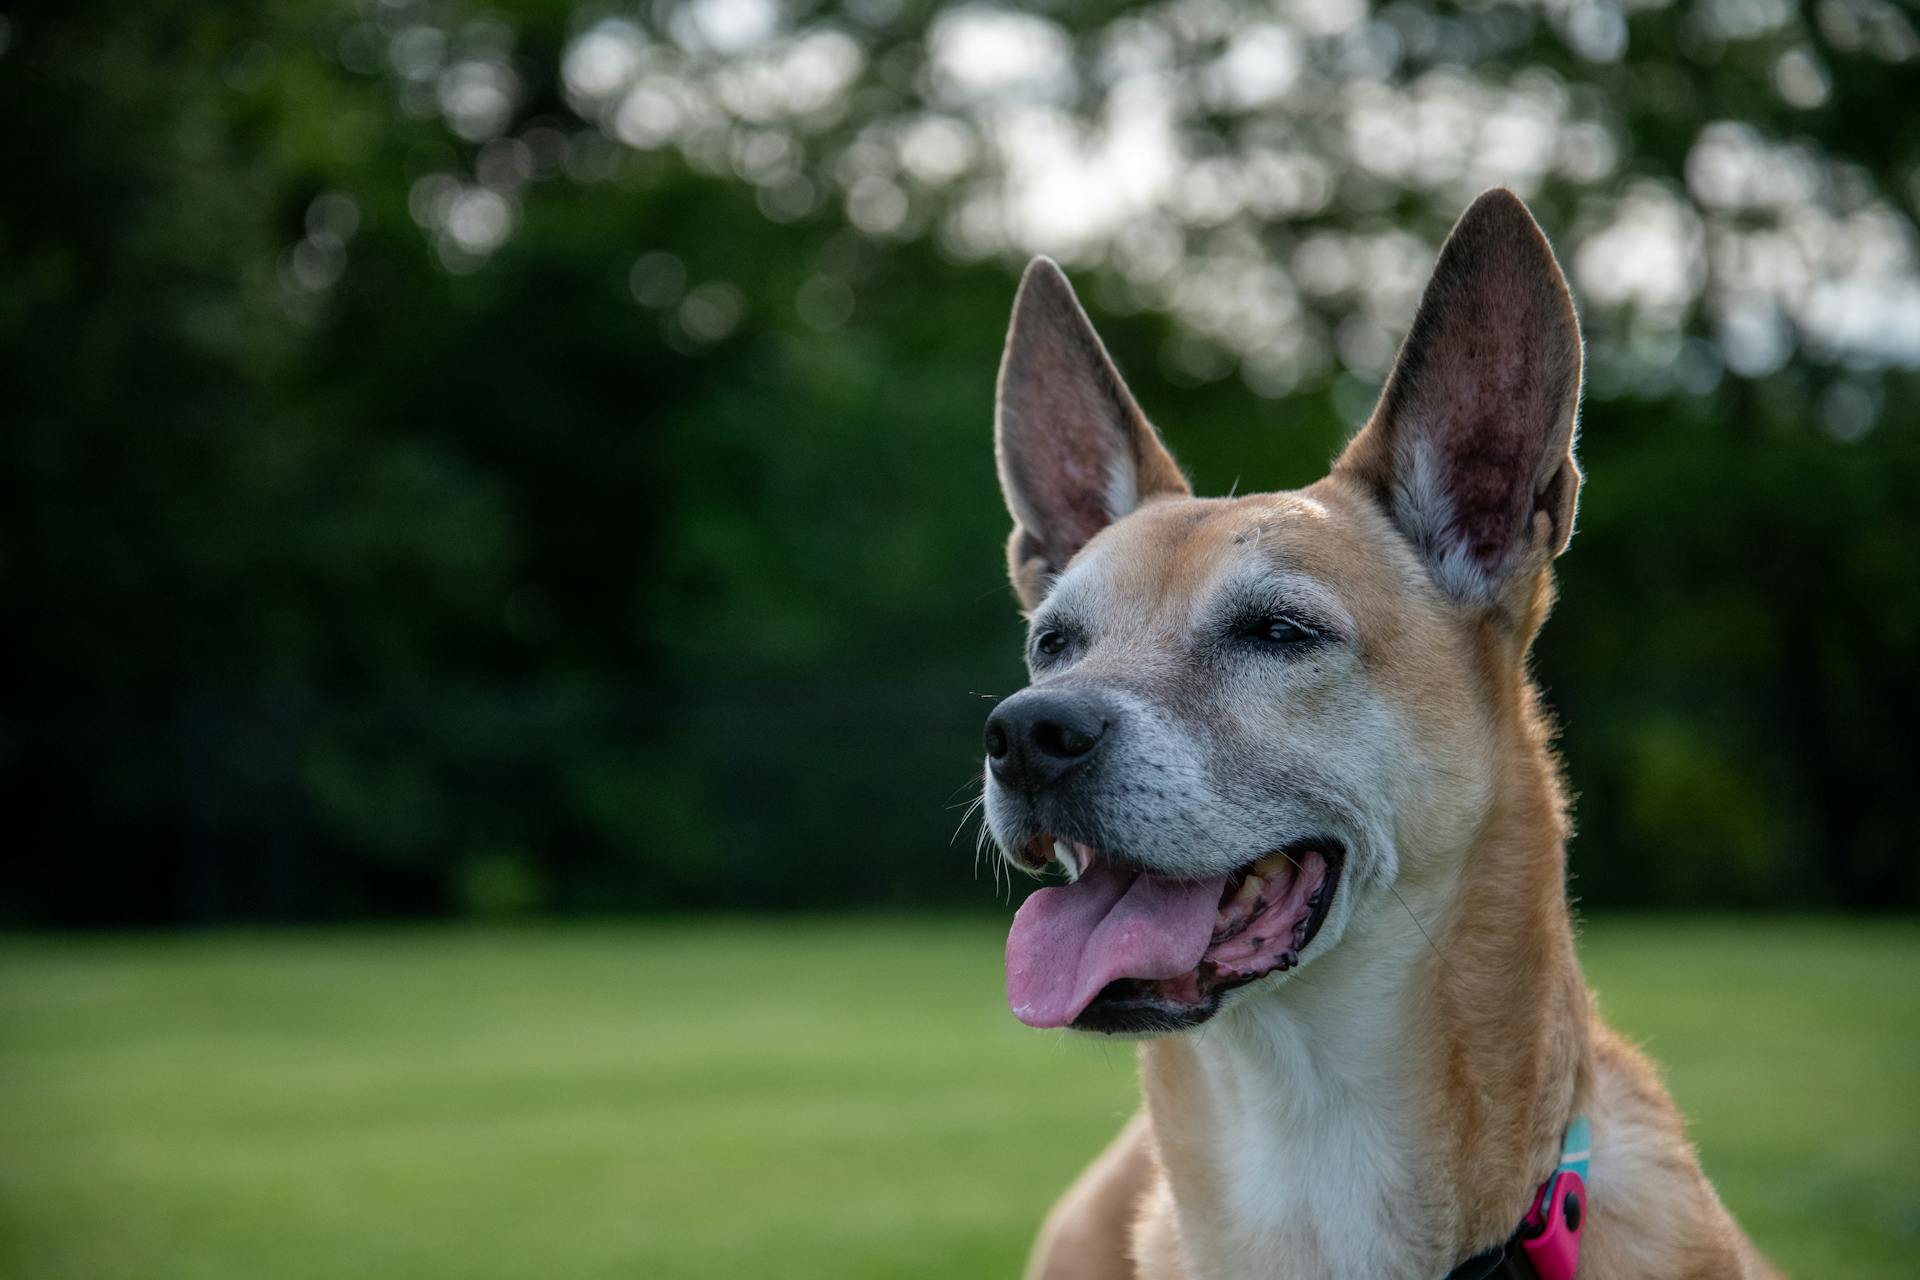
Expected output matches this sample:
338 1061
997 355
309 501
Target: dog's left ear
1471 447
1075 451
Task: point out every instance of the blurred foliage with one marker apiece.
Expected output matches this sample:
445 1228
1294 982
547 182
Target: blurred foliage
536 458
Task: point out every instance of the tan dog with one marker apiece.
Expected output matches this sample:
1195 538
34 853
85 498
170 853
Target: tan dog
1270 738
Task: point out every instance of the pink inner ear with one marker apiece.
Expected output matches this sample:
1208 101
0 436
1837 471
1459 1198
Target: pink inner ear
1066 448
1067 424
1493 406
1075 451
1486 386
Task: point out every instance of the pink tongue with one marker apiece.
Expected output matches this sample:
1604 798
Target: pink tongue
1069 942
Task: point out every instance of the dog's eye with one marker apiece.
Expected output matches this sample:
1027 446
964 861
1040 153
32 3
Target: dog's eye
1279 629
1050 641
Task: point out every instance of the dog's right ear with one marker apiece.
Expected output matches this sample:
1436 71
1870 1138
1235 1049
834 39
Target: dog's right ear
1074 450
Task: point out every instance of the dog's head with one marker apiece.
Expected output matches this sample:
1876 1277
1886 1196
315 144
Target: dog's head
1249 715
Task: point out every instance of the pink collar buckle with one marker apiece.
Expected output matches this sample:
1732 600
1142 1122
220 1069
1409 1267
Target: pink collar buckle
1551 1233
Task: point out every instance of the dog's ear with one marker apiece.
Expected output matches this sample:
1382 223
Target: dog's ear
1075 452
1471 447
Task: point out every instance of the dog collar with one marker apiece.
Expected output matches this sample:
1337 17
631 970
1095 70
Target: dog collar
1546 1244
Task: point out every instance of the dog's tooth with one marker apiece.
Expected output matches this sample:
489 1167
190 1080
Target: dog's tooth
1249 892
1063 854
1274 864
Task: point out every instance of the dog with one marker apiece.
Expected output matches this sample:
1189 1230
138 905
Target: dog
1286 751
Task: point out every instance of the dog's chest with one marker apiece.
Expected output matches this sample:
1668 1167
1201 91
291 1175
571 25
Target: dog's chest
1321 1204
1312 1166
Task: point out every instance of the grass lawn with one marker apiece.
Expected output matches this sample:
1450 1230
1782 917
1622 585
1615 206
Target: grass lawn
794 1099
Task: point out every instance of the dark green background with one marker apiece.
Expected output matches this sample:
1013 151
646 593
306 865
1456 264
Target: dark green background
490 589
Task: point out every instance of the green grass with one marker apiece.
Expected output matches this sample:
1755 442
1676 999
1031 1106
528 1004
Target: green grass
795 1099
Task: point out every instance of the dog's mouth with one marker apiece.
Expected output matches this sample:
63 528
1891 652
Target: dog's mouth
1120 950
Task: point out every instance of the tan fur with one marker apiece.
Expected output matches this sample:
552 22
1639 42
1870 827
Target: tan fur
1496 1042
1504 1022
1077 1241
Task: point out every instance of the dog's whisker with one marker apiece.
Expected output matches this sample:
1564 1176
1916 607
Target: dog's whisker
972 807
973 779
982 839
1422 928
1431 945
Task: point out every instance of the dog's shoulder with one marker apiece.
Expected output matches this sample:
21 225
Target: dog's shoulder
1088 1234
1647 1179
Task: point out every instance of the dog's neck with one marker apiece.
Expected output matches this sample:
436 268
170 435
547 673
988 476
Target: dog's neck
1391 1109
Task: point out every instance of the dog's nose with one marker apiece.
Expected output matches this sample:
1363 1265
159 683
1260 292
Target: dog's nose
1033 737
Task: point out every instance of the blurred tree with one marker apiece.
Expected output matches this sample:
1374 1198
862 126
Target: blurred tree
535 457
